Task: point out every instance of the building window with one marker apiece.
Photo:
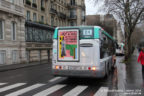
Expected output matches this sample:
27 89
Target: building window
28 15
13 30
12 1
42 3
34 5
34 17
72 13
14 56
42 19
1 30
72 2
72 23
52 21
2 57
34 1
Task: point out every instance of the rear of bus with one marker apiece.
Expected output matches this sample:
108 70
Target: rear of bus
76 52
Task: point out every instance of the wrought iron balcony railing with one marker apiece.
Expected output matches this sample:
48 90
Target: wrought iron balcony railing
53 11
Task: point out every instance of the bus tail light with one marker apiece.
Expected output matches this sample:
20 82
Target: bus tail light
93 68
89 68
58 67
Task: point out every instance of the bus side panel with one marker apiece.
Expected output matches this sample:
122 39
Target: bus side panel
54 55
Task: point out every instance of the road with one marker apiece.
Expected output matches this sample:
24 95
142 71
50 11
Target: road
38 81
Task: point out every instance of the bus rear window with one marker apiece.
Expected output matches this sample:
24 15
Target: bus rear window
87 33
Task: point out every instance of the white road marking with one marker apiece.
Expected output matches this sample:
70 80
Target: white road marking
22 91
2 84
76 91
103 91
49 90
11 87
54 79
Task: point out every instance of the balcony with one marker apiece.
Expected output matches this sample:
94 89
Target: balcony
28 2
53 11
62 15
34 5
72 17
11 8
71 5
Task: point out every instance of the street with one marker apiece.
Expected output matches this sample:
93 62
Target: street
38 81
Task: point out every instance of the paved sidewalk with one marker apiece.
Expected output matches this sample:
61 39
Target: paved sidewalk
134 77
17 66
130 77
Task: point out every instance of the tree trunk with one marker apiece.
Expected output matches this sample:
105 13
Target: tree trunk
127 43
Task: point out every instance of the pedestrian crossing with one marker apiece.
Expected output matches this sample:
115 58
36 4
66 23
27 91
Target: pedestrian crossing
11 87
20 92
2 84
44 89
76 91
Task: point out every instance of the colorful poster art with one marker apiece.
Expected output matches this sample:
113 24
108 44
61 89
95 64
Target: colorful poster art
68 47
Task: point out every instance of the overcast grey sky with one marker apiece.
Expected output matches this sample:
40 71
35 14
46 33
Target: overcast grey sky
92 9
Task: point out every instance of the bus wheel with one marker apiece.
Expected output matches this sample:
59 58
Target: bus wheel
107 71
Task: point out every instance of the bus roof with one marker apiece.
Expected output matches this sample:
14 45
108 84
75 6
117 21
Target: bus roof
67 27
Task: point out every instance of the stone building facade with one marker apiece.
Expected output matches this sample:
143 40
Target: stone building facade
27 27
12 32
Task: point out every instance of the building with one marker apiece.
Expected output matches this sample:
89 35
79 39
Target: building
108 22
42 16
27 27
12 32
120 35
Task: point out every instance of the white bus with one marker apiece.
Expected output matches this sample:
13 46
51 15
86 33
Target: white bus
82 51
120 49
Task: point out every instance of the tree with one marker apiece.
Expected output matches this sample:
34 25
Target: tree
137 36
130 13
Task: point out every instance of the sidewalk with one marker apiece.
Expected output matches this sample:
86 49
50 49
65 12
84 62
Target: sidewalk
134 76
17 66
130 77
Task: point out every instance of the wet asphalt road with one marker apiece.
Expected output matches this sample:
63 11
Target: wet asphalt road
38 81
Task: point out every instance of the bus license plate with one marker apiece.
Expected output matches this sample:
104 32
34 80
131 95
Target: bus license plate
74 68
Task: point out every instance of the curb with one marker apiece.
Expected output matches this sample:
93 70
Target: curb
121 78
19 66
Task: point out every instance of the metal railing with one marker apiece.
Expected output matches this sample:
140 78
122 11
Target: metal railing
53 11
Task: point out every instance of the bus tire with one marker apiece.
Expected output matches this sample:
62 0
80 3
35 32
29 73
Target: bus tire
107 71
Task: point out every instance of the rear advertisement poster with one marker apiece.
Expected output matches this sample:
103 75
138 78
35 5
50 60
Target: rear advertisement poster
68 45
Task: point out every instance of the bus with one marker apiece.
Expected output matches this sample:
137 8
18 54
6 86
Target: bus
120 49
82 51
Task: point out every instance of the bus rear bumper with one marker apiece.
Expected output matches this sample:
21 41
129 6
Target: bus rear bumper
79 73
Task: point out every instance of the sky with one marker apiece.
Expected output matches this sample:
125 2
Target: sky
91 8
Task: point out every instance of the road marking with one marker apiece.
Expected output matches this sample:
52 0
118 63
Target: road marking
103 91
2 84
49 90
22 91
76 91
54 79
11 87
